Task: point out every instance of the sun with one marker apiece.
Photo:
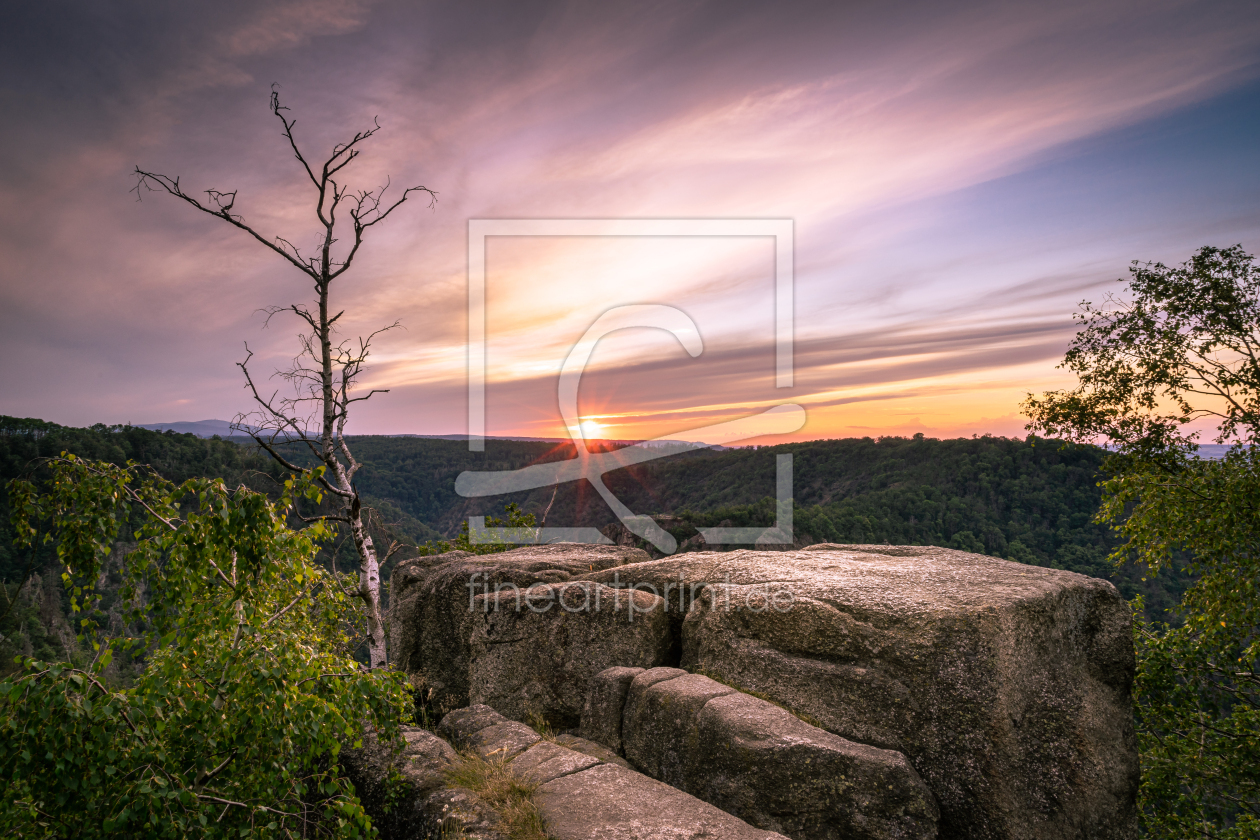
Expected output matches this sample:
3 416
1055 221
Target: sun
591 429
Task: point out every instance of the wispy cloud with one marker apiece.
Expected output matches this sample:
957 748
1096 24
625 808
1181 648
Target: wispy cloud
859 122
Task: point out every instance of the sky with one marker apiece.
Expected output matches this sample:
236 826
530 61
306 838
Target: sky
958 178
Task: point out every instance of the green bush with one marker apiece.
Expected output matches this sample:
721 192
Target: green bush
248 692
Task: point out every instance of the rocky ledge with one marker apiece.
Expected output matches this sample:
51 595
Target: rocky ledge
1003 688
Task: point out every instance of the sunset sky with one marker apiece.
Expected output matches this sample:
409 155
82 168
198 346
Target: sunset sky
959 177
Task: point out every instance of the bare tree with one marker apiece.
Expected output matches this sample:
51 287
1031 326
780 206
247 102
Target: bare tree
324 373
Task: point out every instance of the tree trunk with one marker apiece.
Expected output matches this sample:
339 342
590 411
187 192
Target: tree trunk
369 588
369 568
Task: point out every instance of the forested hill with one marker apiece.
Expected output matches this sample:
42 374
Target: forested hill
1026 501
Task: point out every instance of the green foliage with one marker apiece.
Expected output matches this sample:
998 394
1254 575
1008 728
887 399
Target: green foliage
1182 348
1197 689
37 625
248 692
418 474
396 790
1185 347
981 494
33 607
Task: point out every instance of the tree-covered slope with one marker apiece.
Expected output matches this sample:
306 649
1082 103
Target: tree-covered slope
23 441
1031 501
38 622
1027 501
1010 498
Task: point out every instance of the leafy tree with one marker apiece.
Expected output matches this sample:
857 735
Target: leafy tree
1198 689
33 605
324 373
1183 348
249 692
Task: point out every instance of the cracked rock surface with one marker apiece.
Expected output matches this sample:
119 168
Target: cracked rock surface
584 798
431 611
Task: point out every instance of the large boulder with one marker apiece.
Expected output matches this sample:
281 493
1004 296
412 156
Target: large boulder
532 654
1007 686
775 771
431 609
764 765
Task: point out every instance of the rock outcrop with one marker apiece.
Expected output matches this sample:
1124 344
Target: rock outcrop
482 730
1006 685
592 748
608 802
431 607
584 798
762 764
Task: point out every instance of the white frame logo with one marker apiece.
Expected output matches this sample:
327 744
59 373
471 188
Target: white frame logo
780 419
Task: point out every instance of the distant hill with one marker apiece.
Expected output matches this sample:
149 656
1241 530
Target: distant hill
200 428
1213 451
223 428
